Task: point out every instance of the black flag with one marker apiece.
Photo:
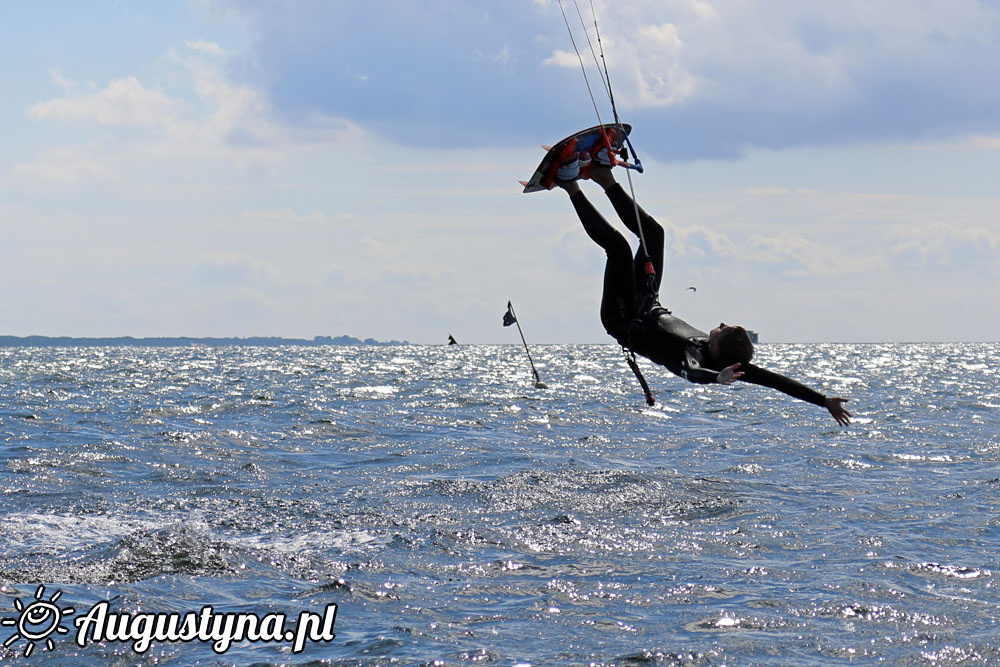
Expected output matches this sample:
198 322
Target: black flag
508 317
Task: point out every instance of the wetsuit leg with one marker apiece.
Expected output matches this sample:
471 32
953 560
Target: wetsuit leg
618 302
651 230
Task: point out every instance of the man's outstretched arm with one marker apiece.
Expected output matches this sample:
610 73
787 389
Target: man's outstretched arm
786 385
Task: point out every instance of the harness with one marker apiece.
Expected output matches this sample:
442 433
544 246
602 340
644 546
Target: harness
649 309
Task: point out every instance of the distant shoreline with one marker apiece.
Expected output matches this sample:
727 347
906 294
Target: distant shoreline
183 341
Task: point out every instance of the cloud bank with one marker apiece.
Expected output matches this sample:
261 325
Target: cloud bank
697 78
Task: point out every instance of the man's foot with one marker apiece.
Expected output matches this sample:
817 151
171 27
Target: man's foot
570 170
581 165
604 157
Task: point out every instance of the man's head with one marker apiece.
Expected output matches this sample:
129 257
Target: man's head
730 345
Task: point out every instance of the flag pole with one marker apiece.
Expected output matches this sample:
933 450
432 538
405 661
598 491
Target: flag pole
534 371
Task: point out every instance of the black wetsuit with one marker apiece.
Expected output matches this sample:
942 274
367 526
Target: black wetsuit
631 315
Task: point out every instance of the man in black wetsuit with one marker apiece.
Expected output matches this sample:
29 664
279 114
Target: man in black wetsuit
632 316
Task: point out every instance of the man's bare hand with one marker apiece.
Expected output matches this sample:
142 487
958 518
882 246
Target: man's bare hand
836 407
730 373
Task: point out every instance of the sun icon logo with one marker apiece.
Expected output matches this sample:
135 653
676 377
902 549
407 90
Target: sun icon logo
38 621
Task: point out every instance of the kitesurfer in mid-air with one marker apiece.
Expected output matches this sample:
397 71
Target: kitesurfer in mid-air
632 316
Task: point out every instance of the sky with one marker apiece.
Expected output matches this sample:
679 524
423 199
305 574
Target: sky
826 171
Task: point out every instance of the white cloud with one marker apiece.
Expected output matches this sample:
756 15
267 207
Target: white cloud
562 59
69 165
231 269
711 78
66 84
505 56
783 45
702 243
206 47
208 118
122 102
646 61
792 255
992 143
939 246
703 10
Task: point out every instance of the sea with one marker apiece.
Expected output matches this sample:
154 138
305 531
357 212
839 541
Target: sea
429 505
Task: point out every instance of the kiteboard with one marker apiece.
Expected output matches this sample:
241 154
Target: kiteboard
590 141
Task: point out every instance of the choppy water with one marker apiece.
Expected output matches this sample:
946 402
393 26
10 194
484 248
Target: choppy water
455 513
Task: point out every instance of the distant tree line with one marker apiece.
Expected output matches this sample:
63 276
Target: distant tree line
124 341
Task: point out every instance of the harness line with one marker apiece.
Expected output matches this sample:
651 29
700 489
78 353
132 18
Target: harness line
614 110
580 58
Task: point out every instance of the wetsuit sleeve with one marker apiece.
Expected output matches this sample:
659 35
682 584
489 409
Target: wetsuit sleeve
692 372
786 385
